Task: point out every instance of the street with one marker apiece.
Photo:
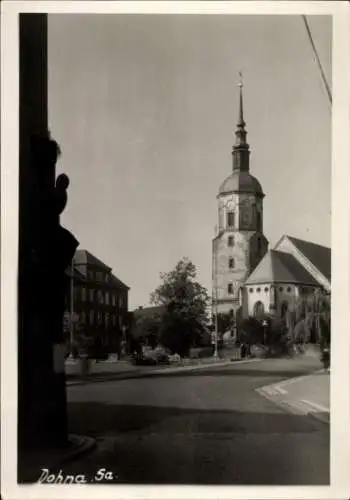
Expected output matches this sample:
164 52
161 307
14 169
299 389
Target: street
208 426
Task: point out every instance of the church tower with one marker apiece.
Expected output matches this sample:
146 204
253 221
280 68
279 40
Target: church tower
239 243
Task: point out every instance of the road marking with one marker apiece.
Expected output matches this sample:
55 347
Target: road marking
315 406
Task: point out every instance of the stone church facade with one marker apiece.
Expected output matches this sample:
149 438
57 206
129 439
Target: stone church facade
247 278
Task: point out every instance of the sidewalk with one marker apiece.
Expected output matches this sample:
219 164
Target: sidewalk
307 395
124 369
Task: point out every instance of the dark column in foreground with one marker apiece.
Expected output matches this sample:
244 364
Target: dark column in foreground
45 251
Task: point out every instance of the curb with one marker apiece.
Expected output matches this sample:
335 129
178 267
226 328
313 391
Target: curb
275 393
142 374
83 446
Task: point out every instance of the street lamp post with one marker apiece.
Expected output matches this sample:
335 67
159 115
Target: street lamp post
71 322
215 298
264 324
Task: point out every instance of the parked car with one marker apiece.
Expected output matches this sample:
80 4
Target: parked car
150 356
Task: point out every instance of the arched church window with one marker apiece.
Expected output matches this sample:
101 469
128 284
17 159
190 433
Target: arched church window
230 288
230 219
259 245
258 219
266 289
231 263
284 309
231 241
259 309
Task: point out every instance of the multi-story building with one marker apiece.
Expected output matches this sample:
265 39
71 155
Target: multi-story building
99 301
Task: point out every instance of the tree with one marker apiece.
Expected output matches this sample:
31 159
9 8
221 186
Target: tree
147 327
313 318
184 321
251 331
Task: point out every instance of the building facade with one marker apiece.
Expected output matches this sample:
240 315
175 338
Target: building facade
99 301
293 269
239 243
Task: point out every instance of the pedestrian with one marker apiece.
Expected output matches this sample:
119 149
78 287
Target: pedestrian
243 351
325 358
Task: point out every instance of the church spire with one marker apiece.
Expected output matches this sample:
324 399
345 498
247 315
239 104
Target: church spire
240 150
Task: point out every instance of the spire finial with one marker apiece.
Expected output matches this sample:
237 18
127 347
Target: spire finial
240 116
241 147
240 83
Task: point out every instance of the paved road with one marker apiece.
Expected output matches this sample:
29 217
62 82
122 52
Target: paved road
203 427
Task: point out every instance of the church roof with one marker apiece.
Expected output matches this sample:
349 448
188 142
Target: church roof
280 267
318 255
241 181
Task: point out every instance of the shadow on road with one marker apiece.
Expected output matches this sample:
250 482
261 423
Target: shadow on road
167 445
99 419
205 372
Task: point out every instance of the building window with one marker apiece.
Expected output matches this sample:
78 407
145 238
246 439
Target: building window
83 294
284 309
107 298
100 296
107 320
258 290
259 245
251 290
91 275
289 289
281 288
231 263
99 276
91 295
231 241
121 300
83 317
266 289
92 317
99 318
230 288
258 220
259 309
230 219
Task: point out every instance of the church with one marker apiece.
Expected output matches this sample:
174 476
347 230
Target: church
248 279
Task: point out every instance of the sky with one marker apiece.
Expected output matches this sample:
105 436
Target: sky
144 108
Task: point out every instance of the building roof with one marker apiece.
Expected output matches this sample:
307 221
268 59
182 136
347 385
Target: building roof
280 267
76 274
148 311
241 181
83 257
318 255
117 282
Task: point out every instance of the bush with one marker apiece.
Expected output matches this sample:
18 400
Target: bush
251 331
201 352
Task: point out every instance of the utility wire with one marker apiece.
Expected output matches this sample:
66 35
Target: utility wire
323 76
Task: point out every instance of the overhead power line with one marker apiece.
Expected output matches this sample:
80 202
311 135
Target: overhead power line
323 76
